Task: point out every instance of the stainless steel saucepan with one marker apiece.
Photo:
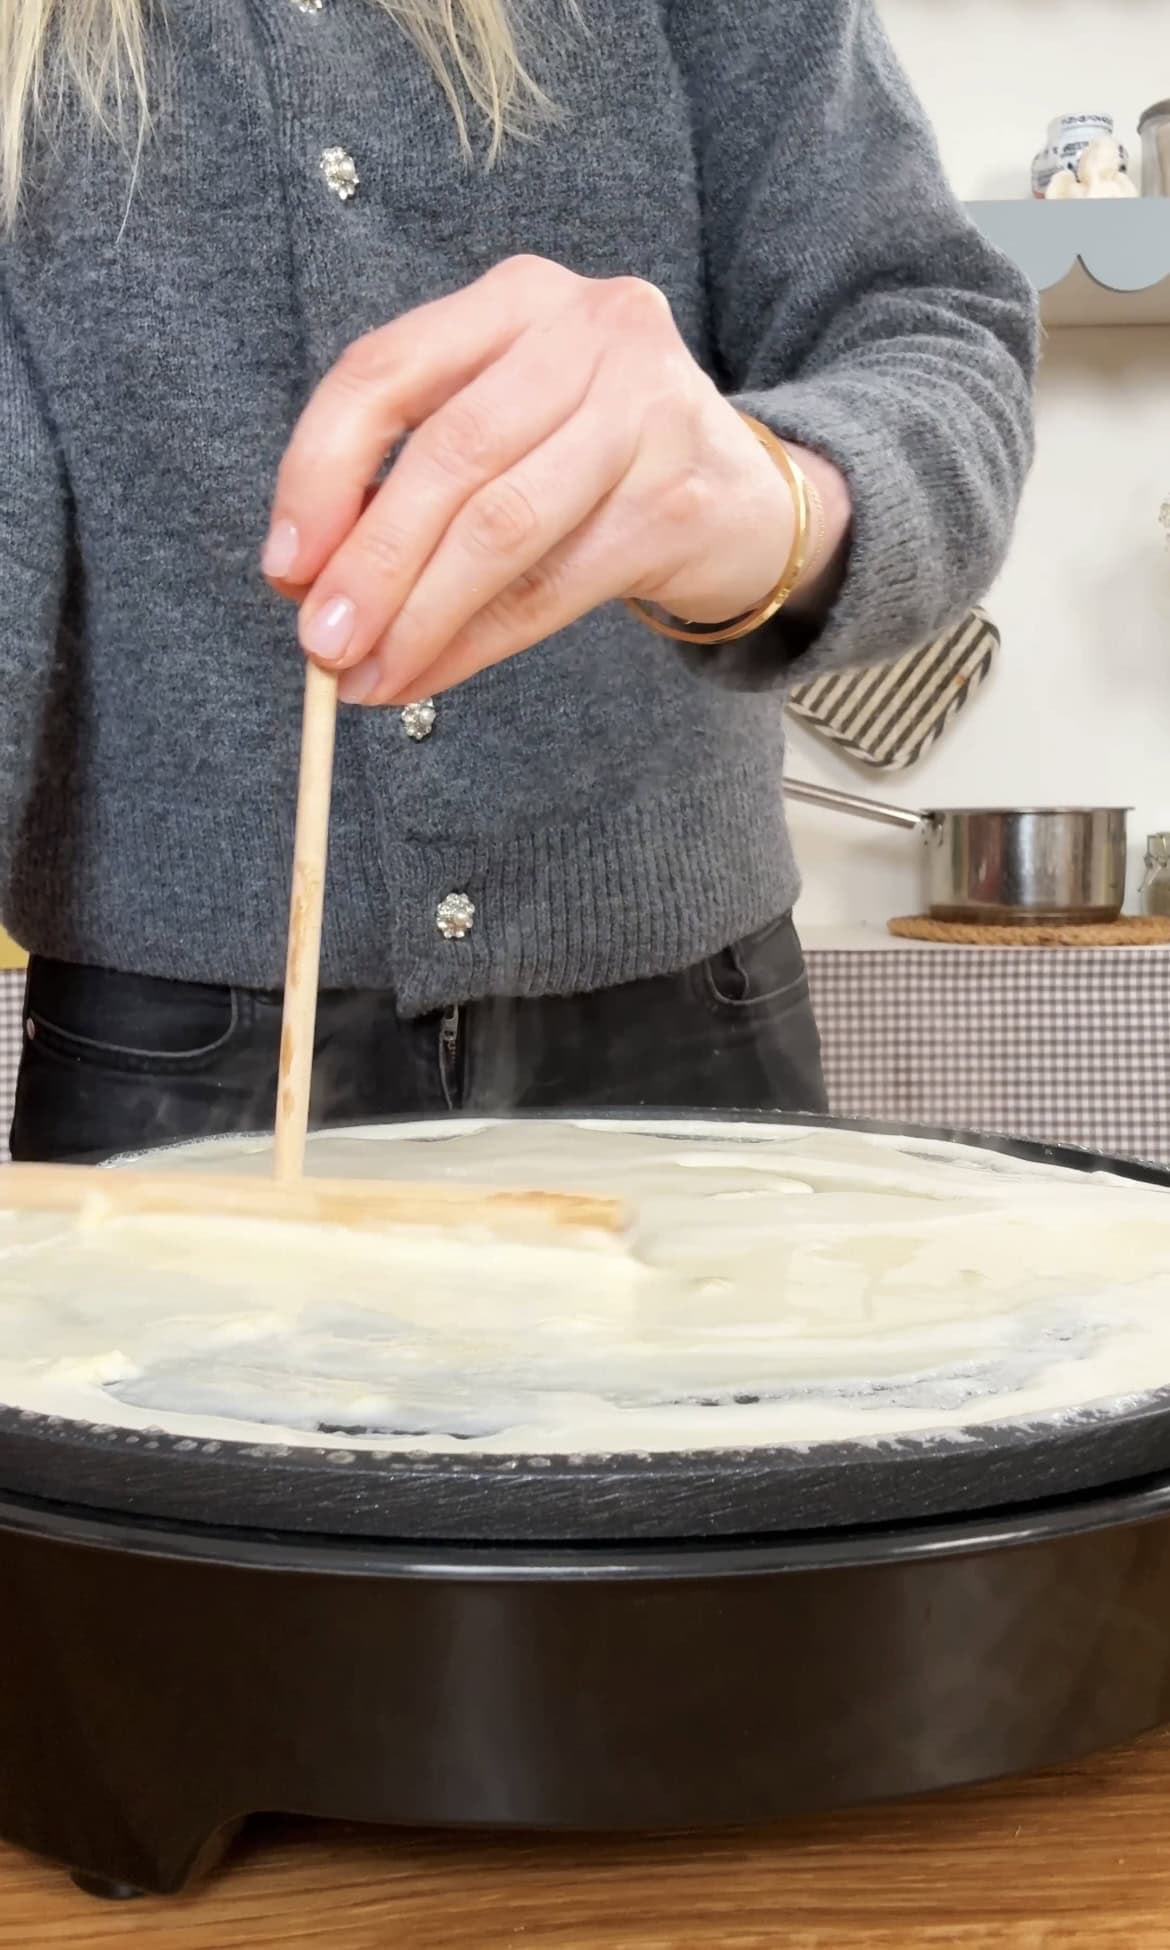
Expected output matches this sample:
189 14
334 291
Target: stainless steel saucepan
1004 865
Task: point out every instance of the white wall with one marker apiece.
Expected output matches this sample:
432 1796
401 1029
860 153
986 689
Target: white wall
1079 708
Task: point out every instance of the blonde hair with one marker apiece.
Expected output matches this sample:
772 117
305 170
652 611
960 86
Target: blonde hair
96 50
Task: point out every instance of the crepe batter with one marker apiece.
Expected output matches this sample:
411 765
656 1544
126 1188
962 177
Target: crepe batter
780 1286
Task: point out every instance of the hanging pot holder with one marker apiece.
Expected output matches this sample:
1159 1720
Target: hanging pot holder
888 715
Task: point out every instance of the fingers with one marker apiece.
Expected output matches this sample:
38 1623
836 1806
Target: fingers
505 538
383 385
453 480
578 575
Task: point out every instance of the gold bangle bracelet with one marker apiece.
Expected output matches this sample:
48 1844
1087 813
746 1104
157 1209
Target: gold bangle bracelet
819 532
794 568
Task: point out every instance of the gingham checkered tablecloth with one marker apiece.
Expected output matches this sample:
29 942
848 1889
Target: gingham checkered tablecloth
11 1033
1067 1045
1063 1045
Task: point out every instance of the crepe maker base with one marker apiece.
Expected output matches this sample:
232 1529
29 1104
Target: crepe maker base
161 1684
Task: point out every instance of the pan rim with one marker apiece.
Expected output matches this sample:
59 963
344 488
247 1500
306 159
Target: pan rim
631 1496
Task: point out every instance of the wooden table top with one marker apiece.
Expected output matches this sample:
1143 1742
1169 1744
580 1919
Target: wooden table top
1077 1859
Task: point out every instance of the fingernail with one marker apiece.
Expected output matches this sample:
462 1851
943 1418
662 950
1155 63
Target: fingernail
279 558
359 683
327 633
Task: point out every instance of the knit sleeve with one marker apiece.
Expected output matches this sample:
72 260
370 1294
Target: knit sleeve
32 557
857 311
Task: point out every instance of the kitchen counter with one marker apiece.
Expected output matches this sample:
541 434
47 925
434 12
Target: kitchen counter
1071 1860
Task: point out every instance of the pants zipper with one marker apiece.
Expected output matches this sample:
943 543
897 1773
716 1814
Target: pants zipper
449 1030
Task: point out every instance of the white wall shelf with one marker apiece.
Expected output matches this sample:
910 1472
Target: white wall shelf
1094 263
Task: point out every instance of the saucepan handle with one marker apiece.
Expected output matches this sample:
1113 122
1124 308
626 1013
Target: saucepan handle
847 802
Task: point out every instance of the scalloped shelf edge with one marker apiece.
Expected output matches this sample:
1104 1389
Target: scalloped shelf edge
1093 263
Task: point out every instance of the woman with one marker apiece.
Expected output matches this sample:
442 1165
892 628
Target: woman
511 337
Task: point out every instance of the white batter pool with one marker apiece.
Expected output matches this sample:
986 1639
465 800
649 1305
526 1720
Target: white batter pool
781 1286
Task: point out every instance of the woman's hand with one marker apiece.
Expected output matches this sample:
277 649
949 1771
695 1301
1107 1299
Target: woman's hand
565 449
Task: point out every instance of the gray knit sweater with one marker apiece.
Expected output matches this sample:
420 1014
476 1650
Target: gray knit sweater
611 805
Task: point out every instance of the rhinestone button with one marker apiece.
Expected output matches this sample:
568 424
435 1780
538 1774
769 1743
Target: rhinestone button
455 917
340 172
418 720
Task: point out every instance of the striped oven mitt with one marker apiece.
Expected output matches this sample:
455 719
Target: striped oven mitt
888 715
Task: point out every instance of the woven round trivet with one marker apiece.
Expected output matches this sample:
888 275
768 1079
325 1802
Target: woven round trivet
1131 931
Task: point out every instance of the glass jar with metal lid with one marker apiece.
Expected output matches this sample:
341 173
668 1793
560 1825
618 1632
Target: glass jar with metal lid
1156 885
1154 129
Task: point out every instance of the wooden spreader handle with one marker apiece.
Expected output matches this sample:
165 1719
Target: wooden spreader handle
306 908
